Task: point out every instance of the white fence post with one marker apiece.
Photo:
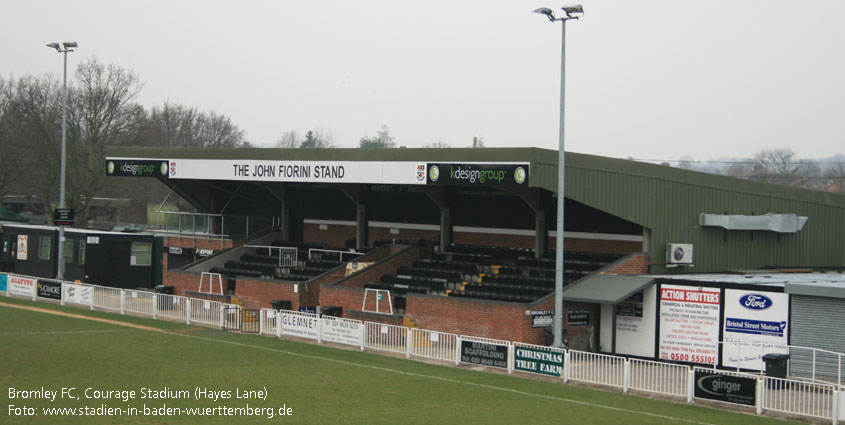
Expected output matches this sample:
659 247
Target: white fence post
278 323
626 378
760 386
122 302
511 358
34 290
155 306
261 316
61 302
363 335
409 335
690 385
319 330
836 407
91 299
458 351
187 311
567 368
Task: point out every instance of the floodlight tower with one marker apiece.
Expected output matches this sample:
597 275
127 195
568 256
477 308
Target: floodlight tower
571 12
67 46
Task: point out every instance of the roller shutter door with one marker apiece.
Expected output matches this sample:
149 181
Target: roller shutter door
819 323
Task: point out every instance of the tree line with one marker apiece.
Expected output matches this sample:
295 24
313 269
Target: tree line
102 109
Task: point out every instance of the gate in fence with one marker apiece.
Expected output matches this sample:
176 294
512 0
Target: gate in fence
232 319
251 321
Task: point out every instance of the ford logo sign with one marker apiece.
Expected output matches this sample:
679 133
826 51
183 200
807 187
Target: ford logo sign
755 302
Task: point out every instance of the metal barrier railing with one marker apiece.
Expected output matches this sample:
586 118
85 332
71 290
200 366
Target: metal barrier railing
800 398
108 298
205 311
432 344
597 368
172 306
140 302
658 377
384 337
812 399
311 252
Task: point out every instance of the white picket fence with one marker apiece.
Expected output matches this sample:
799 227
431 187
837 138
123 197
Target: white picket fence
791 396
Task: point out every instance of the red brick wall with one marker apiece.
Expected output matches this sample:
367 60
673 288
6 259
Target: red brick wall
597 245
334 236
349 298
633 264
188 242
257 293
349 293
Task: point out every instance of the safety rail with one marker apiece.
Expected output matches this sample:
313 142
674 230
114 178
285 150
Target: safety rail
658 377
597 368
332 251
800 398
380 336
205 311
267 322
287 255
432 344
108 298
172 306
791 396
140 302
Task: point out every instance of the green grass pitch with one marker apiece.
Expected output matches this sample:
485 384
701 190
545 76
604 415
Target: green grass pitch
319 385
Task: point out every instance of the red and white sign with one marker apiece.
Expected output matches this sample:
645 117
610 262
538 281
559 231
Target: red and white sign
21 285
689 323
22 247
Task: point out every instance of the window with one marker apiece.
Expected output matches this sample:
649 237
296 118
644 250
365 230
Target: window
141 254
68 251
45 248
81 252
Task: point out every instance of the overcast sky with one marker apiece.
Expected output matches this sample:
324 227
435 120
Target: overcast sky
645 79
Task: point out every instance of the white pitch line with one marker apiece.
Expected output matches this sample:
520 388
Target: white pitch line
66 332
454 381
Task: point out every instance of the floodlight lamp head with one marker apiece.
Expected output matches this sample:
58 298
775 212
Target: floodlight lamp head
55 46
69 45
546 11
573 12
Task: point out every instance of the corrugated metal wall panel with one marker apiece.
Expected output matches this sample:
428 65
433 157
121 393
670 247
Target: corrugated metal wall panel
671 210
816 322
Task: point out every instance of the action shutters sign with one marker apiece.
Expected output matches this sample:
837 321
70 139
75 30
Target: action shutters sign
478 174
21 286
689 323
137 167
536 359
48 289
727 388
485 354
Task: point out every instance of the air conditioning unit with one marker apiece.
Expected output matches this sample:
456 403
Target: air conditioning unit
679 253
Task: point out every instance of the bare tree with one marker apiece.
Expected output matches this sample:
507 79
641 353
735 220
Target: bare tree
478 142
101 111
835 175
437 145
174 125
8 157
289 140
782 166
32 133
382 139
317 138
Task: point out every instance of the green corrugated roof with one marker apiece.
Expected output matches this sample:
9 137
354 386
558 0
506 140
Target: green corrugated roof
605 289
543 165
